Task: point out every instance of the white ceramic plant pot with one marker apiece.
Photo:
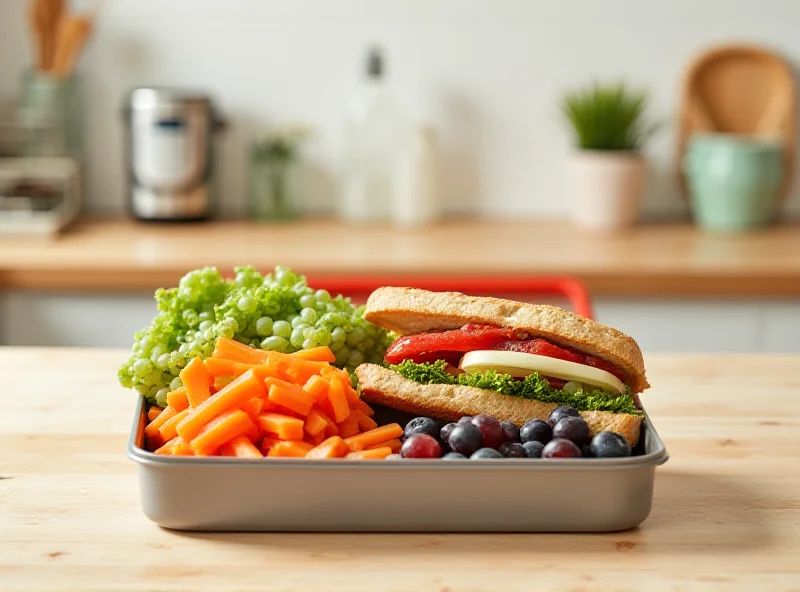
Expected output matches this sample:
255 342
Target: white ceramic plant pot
607 188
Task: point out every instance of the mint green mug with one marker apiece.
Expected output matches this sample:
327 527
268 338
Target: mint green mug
733 181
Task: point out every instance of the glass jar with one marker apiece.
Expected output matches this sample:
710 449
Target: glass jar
273 183
50 115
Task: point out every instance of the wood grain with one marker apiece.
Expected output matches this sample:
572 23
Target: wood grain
668 260
726 513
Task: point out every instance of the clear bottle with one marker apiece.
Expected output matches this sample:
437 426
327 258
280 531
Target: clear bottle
416 200
374 133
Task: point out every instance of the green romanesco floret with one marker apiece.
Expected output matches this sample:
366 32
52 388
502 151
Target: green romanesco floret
278 312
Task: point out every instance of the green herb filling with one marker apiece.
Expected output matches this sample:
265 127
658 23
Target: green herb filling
532 386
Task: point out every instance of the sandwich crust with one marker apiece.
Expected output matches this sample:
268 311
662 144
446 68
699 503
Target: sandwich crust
410 310
450 402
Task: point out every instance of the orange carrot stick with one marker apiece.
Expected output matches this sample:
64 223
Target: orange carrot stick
267 443
152 428
376 436
394 444
316 440
228 349
272 368
268 405
236 393
371 454
283 426
291 448
153 412
349 392
331 427
196 382
166 448
324 405
176 447
181 448
364 421
219 367
253 407
333 447
287 402
338 401
316 386
220 430
244 448
349 427
220 382
301 371
315 423
289 395
177 399
316 354
169 430
363 407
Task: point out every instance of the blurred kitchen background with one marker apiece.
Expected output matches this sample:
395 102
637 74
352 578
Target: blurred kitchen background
645 148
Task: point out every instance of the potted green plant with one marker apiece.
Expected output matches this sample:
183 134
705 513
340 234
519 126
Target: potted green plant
608 166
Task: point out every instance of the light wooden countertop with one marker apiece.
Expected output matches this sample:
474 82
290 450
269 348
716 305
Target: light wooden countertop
648 260
726 511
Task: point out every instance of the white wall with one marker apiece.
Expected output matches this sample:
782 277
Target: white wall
487 74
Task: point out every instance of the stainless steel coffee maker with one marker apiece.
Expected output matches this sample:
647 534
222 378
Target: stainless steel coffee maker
170 140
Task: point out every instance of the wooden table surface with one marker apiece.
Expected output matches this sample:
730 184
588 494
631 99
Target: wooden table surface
726 513
670 259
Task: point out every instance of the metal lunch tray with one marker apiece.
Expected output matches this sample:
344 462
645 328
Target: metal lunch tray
283 495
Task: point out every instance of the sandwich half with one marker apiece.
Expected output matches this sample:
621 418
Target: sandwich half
462 355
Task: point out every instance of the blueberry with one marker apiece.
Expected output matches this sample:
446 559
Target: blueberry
560 448
465 439
510 430
536 430
486 453
610 445
422 425
512 450
533 449
586 451
560 413
465 419
574 429
454 456
444 435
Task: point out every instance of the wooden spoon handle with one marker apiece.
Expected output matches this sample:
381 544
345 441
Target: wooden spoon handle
36 17
73 32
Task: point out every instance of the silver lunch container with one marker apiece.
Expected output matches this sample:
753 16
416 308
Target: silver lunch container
276 494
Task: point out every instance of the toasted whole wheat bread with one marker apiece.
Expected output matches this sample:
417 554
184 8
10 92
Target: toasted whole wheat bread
410 310
450 402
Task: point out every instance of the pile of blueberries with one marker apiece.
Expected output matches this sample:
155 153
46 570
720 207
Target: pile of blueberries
563 435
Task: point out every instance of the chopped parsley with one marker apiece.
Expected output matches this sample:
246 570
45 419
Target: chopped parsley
532 386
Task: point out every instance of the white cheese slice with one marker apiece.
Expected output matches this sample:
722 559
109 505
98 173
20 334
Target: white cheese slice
520 364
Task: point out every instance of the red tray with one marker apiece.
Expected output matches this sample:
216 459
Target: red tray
359 287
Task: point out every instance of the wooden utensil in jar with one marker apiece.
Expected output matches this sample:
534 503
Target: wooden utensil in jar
44 17
73 32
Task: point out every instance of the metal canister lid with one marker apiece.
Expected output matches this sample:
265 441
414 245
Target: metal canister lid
153 97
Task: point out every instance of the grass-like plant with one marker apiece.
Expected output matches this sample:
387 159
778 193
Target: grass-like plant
608 117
